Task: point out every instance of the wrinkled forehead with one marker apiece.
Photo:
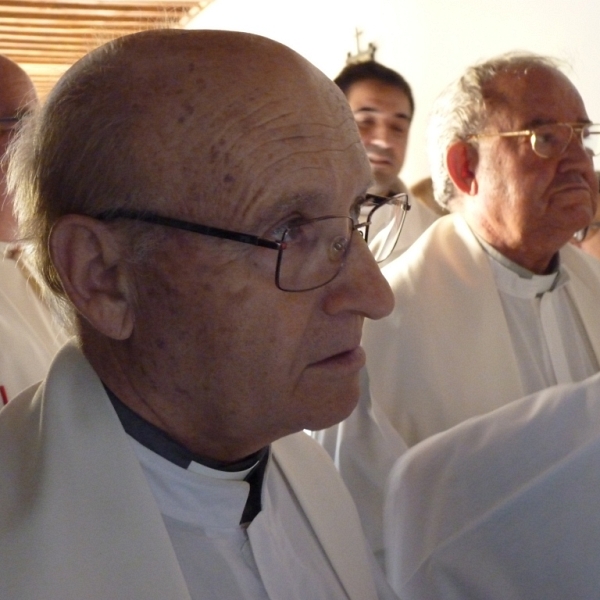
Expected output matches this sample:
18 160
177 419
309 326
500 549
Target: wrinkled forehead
221 136
292 144
532 90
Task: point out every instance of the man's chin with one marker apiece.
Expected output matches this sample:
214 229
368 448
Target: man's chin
384 182
339 408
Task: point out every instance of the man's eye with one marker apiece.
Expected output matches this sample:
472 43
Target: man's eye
303 235
546 137
278 232
365 122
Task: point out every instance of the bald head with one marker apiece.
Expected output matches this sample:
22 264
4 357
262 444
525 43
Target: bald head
17 91
173 119
225 131
17 96
206 103
190 101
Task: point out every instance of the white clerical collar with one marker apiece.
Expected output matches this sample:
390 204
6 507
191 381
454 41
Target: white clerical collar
518 281
197 499
218 474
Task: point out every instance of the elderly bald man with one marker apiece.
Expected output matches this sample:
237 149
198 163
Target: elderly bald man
29 335
198 193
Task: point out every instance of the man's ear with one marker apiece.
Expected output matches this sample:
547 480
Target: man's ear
461 162
93 271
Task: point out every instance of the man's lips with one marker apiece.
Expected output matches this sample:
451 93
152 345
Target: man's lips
379 160
353 358
571 181
572 187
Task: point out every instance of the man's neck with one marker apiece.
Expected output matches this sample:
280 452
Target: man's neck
529 252
388 187
516 265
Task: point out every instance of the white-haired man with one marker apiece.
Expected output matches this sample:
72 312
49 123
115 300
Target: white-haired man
493 303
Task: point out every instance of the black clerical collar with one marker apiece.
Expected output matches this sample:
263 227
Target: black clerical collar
159 442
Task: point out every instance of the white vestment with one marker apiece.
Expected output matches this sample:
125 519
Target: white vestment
364 448
446 353
29 338
503 506
78 518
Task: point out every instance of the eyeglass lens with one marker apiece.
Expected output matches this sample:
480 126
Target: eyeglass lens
551 140
385 241
392 215
314 253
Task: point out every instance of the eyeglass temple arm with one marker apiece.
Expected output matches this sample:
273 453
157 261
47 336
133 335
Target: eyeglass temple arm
380 201
245 238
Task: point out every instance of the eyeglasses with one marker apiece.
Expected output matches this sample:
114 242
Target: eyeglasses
311 253
397 206
552 139
9 124
12 124
587 233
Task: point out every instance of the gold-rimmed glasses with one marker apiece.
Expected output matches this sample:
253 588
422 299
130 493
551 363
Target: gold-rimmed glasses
551 139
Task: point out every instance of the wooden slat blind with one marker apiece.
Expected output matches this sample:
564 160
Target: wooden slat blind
46 38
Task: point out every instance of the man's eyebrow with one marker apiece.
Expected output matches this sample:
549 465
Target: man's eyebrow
537 122
303 203
370 109
300 202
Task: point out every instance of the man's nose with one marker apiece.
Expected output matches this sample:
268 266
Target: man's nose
381 136
360 287
577 151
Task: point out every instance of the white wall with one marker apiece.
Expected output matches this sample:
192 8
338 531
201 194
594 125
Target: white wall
429 41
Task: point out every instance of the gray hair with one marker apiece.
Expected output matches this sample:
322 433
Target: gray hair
461 110
75 155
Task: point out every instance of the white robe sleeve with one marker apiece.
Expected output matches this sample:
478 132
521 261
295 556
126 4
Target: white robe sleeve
364 448
504 506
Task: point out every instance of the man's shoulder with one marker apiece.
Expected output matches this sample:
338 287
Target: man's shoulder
580 264
444 252
525 474
554 422
302 450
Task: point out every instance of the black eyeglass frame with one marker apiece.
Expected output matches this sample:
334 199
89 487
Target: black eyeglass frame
582 234
8 124
15 119
245 238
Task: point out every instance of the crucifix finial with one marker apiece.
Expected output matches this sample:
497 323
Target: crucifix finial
361 55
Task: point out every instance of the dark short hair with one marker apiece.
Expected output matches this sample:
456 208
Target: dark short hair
372 70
